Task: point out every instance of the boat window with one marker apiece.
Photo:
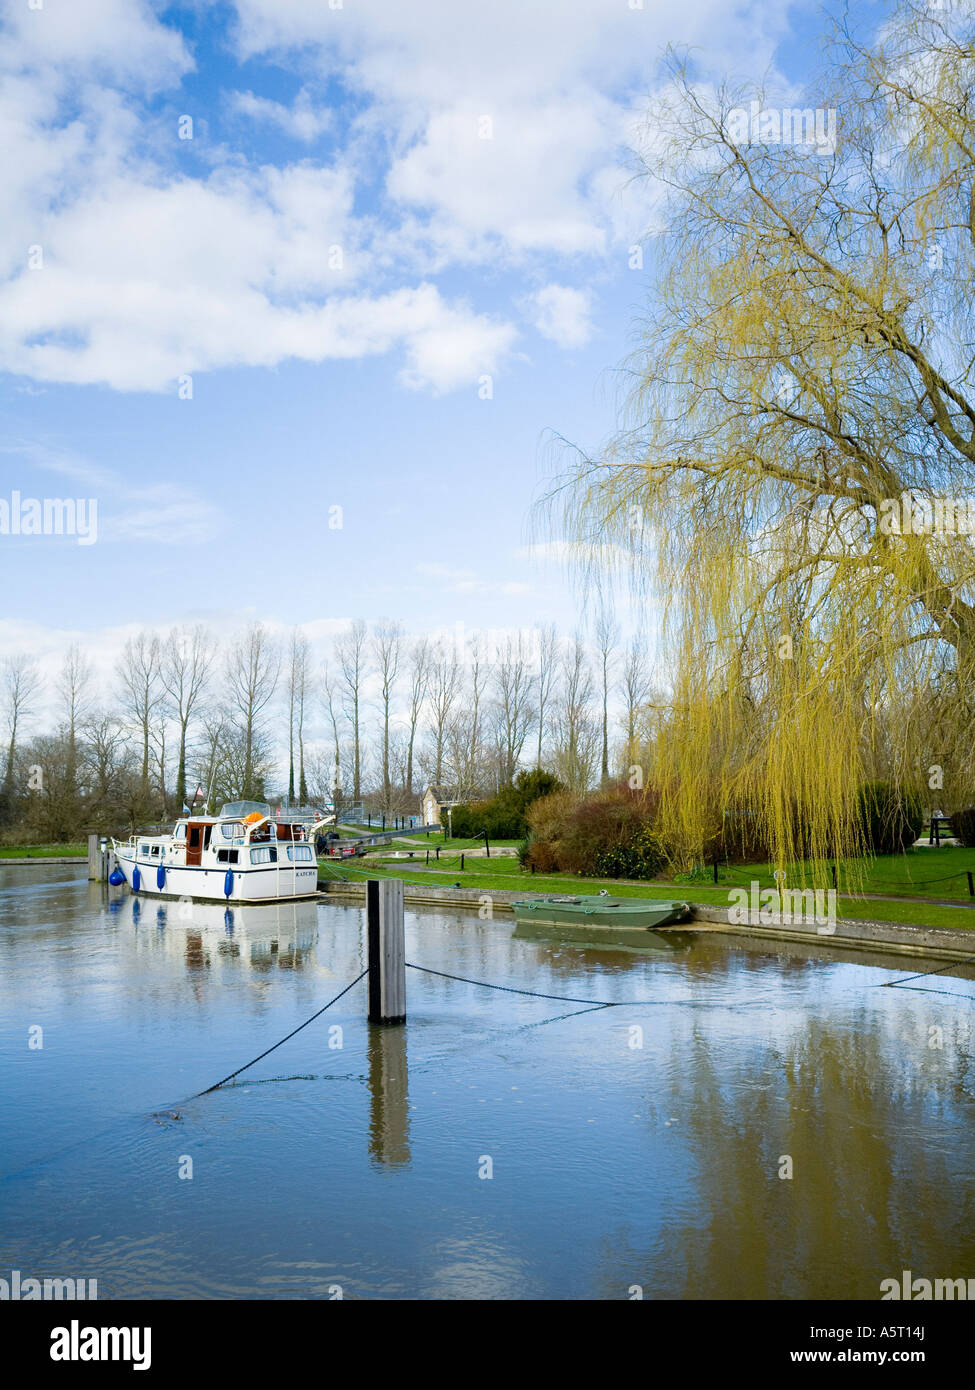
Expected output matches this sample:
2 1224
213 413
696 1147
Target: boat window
180 832
227 856
301 853
232 831
264 854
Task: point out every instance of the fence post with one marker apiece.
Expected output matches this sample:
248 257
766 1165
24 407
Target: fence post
462 862
386 950
94 858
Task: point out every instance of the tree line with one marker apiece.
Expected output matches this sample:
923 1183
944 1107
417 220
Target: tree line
185 722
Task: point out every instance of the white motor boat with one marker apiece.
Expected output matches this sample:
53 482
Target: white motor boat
243 855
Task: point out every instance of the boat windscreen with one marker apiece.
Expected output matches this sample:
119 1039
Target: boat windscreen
239 810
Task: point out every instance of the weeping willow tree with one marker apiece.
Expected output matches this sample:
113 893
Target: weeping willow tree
797 454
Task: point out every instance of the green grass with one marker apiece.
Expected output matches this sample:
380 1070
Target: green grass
928 873
507 874
42 851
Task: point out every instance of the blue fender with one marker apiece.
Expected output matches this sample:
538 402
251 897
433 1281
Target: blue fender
161 877
136 879
228 883
116 877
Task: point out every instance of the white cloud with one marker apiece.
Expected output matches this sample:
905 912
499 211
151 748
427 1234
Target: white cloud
168 514
466 581
562 314
143 284
152 270
302 120
560 80
122 40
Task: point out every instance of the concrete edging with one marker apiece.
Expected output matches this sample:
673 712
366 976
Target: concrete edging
899 937
71 859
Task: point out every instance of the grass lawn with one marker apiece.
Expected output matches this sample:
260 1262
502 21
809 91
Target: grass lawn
928 873
43 851
506 874
451 846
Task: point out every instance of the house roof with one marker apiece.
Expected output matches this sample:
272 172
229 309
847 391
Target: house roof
443 795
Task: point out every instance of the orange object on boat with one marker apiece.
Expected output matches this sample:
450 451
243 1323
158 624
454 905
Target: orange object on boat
254 816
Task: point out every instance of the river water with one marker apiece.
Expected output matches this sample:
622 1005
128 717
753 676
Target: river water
643 1148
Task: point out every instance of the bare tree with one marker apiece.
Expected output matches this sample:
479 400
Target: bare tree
140 674
636 691
607 636
445 683
298 654
253 667
331 704
576 732
419 682
514 707
387 646
108 767
211 740
21 684
352 655
75 688
187 663
548 664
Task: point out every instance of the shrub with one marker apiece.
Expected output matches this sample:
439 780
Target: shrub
470 821
504 816
963 827
890 820
544 855
608 835
548 815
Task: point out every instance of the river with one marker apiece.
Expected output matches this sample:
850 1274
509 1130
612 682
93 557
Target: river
756 1121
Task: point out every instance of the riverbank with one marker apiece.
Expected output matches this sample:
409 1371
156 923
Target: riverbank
900 938
53 859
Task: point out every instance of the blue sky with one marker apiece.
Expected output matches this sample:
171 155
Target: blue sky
359 126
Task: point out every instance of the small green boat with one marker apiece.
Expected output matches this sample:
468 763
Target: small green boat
602 920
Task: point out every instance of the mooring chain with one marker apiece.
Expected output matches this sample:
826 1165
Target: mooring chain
276 1045
510 989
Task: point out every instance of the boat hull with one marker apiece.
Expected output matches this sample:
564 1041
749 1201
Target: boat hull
631 923
261 884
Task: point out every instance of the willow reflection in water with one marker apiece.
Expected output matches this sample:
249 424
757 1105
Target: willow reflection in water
641 1145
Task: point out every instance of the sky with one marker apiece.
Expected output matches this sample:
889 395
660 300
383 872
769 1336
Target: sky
302 292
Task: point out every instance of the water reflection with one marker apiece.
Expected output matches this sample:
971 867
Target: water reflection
638 1145
389 1101
209 936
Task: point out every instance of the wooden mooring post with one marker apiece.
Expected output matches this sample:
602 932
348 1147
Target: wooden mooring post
386 950
99 856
